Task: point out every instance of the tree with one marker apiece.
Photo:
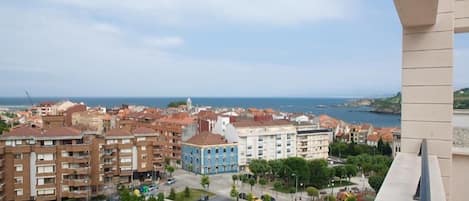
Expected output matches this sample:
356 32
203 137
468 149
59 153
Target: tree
176 103
252 182
263 182
259 167
234 178
351 170
319 173
172 194
170 169
233 192
312 192
277 186
243 178
152 199
187 192
250 197
330 198
351 198
266 197
340 172
376 181
205 182
160 197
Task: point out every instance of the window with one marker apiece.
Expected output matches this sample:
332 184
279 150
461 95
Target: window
19 168
232 149
45 169
46 191
216 151
48 142
126 160
9 143
208 151
18 180
19 142
249 147
19 192
144 165
111 141
224 150
144 148
126 150
141 139
125 141
45 157
19 156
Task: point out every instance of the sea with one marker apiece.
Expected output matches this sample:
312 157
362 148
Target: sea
317 106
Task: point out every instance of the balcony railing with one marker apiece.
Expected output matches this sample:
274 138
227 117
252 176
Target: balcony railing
75 194
405 182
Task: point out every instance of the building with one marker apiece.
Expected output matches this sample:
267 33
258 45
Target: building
208 153
92 120
2 172
267 140
428 29
312 142
47 164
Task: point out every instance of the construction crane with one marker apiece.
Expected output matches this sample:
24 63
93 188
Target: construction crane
29 98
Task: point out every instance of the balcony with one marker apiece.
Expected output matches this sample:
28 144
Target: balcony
46 197
75 194
405 182
45 149
1 162
126 172
49 185
76 159
76 147
76 182
78 171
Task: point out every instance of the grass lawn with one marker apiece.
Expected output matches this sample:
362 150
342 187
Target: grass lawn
195 195
337 184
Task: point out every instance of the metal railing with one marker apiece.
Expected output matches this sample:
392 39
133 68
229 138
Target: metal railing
423 189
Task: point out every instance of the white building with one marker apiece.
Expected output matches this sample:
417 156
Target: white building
268 140
312 142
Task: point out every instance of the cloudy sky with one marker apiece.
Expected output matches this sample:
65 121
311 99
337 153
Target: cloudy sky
242 48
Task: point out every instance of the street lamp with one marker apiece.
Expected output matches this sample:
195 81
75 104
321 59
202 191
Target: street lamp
296 183
332 185
301 193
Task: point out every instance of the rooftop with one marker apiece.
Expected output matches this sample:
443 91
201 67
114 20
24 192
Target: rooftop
206 138
261 123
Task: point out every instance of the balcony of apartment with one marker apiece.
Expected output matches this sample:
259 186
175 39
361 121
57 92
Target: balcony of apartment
75 194
45 162
45 149
76 171
76 182
1 175
125 173
1 186
125 146
46 185
124 154
1 162
76 147
46 197
405 182
110 146
18 149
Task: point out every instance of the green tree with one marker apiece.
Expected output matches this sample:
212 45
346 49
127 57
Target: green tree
233 192
277 186
4 127
330 198
234 178
319 173
376 181
266 197
160 197
312 192
205 182
277 168
176 103
250 197
262 182
340 172
351 170
172 194
187 192
351 198
170 169
259 167
152 199
252 182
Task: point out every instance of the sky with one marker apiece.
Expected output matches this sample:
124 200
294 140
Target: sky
205 48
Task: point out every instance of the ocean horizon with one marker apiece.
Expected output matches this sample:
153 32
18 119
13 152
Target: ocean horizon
316 106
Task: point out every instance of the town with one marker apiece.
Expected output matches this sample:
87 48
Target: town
66 150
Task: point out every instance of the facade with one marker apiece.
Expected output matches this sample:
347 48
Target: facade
312 142
268 140
208 153
2 172
46 164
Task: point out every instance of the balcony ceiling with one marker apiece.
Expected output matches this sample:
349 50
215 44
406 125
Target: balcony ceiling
417 12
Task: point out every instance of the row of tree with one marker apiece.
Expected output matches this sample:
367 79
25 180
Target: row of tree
311 173
343 150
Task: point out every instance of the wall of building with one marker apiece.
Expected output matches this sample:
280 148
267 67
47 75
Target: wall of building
206 160
461 175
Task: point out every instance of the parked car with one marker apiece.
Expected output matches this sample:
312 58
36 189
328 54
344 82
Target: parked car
170 181
153 187
271 198
243 196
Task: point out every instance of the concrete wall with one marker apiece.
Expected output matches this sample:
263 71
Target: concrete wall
461 16
427 88
460 174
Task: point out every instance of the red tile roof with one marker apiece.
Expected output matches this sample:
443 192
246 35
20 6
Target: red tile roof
117 132
143 130
261 123
206 138
27 131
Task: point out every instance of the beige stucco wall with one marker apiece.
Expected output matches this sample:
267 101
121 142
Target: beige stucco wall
460 174
427 87
462 16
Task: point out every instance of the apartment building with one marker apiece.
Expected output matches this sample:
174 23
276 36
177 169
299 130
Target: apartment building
132 157
208 153
267 140
312 141
2 181
46 164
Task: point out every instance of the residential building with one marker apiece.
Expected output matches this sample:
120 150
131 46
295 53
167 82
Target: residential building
428 29
312 142
267 140
46 164
208 153
2 172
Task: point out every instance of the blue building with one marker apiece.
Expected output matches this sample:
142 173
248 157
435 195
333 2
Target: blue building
208 153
